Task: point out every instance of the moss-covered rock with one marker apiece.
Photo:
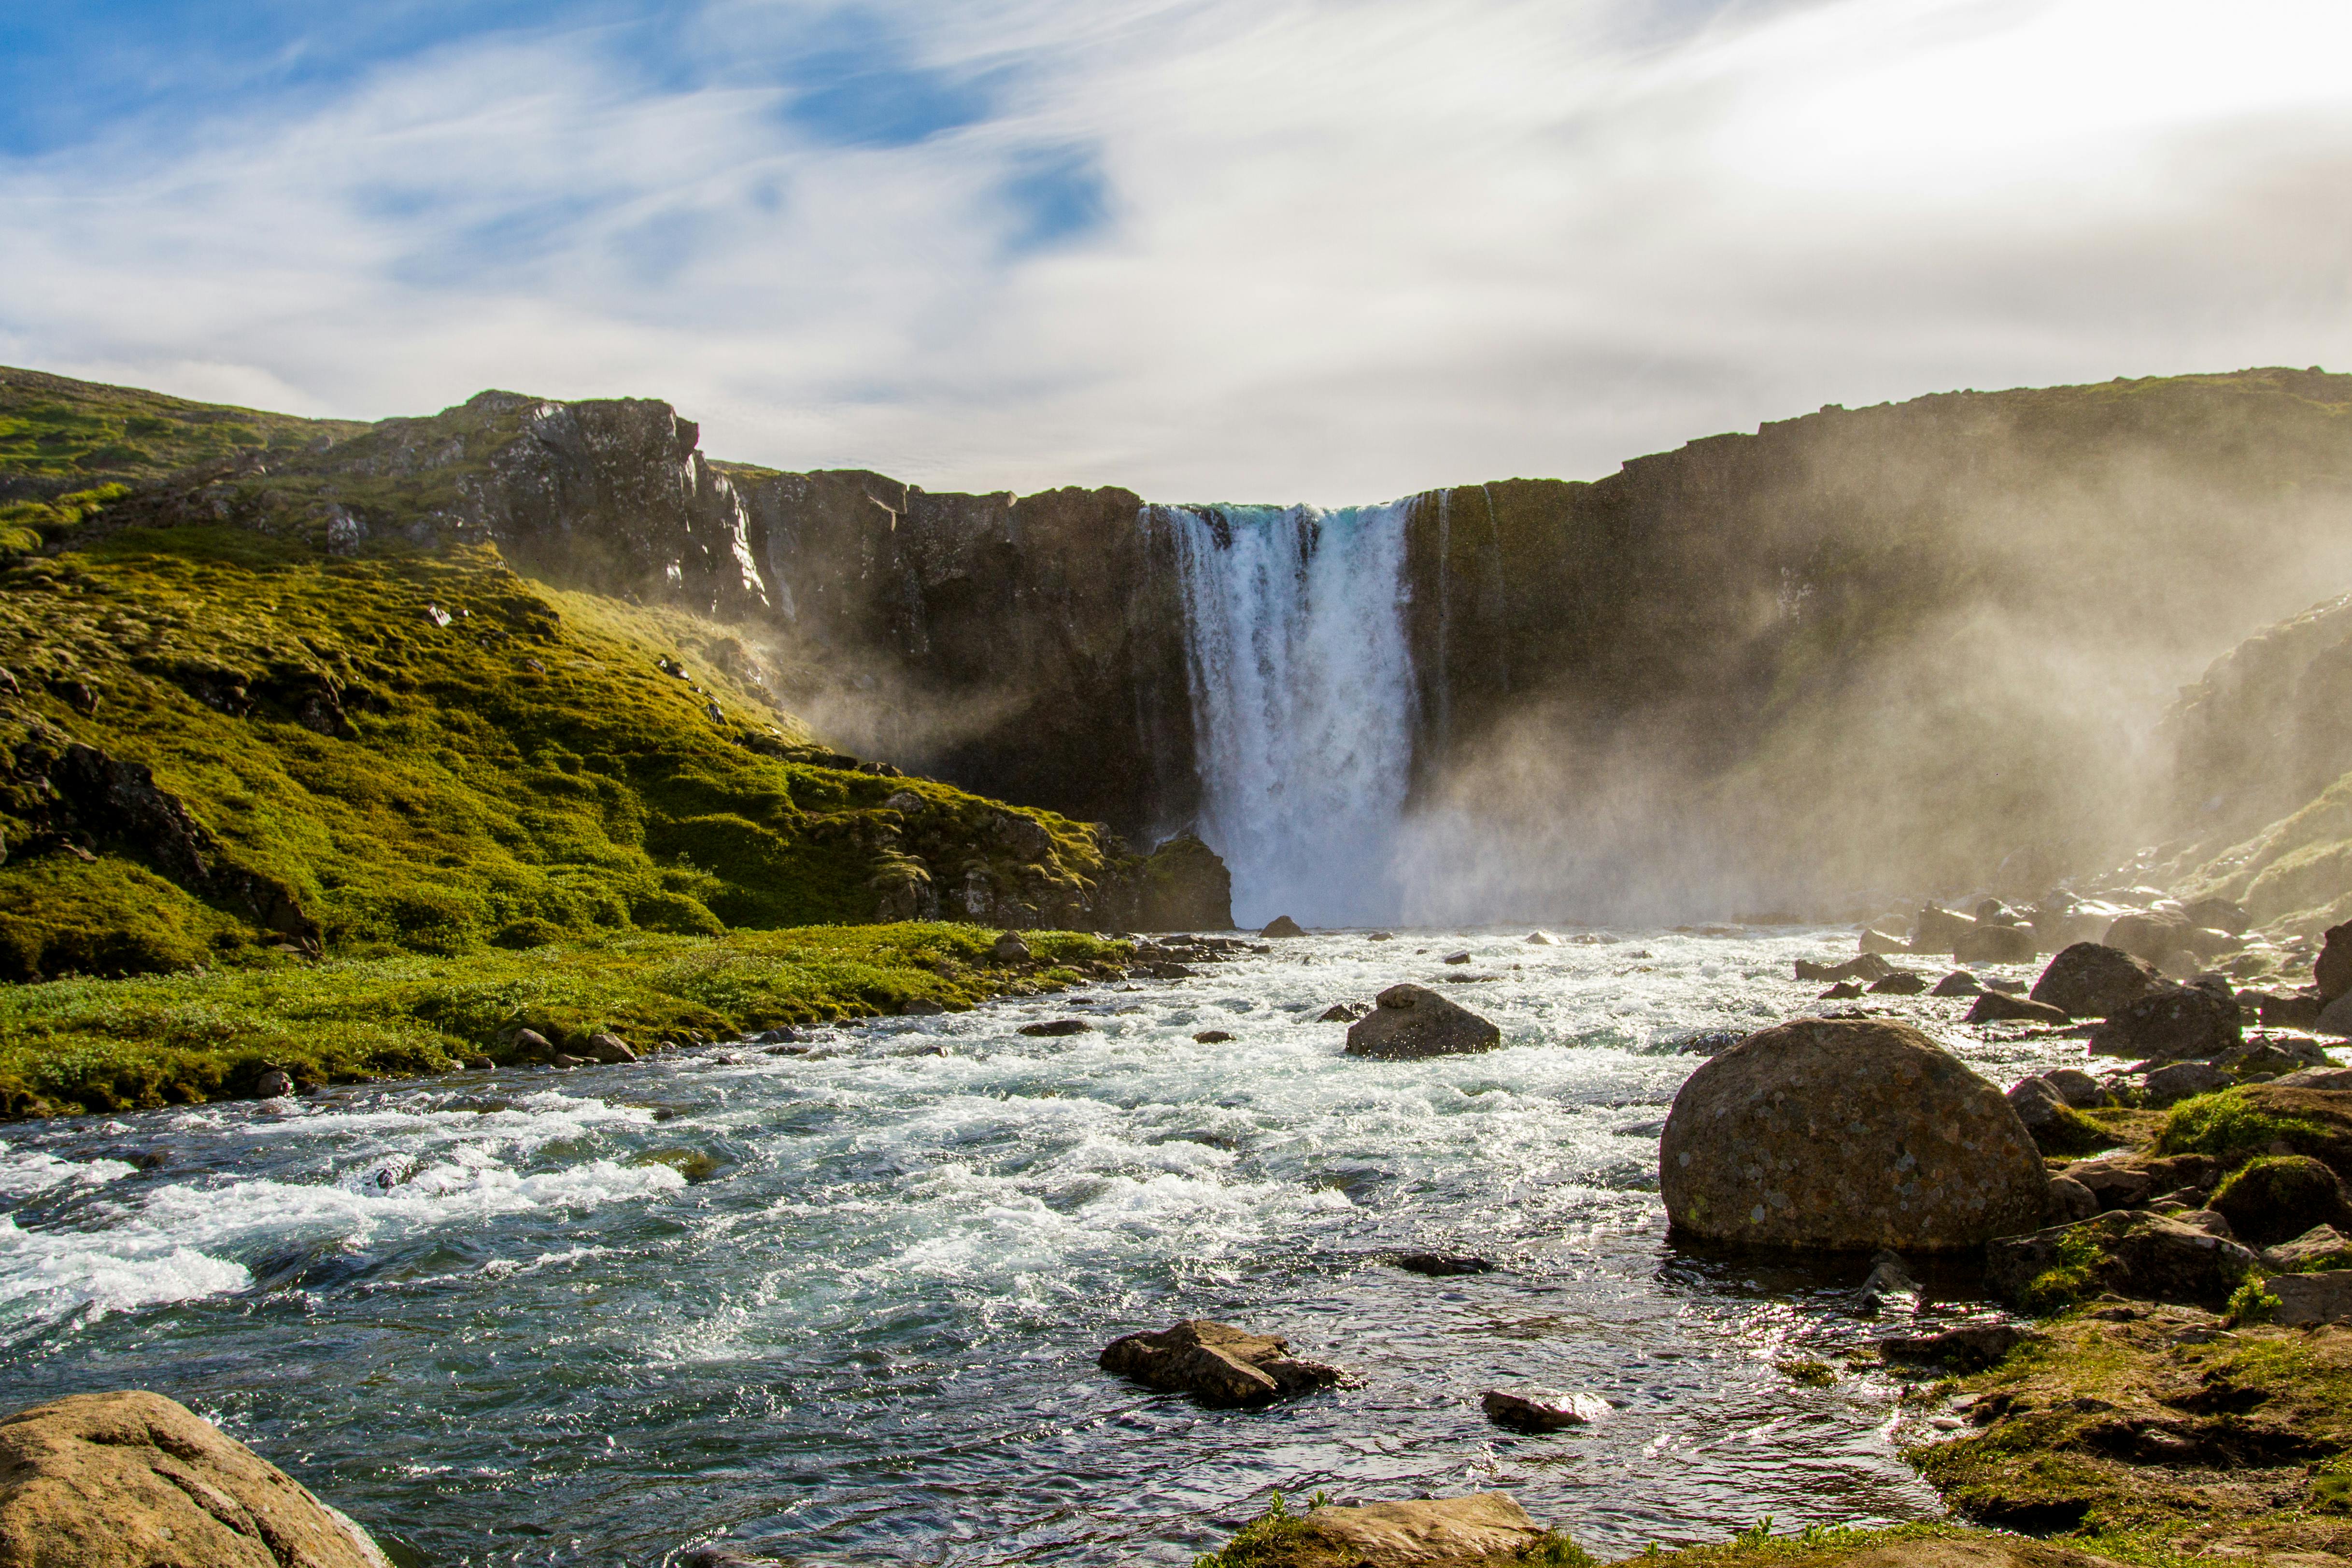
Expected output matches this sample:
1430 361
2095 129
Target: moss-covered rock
2278 1198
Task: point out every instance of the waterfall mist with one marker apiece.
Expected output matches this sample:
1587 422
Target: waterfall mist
1303 701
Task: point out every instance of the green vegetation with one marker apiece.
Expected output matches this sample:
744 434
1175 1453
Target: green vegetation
72 433
130 1044
386 783
2236 1124
2070 1131
2058 1286
1808 1374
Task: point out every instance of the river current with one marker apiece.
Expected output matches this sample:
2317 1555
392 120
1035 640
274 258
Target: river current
493 1318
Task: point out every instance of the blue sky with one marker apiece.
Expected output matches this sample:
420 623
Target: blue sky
1323 249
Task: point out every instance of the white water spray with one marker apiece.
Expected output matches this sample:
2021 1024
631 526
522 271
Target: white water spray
1303 702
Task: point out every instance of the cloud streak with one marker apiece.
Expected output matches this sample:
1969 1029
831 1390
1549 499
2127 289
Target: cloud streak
1276 250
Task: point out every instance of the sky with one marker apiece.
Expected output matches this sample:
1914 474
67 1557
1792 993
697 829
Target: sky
1271 250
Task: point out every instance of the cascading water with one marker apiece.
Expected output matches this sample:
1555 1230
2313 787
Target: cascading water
1303 702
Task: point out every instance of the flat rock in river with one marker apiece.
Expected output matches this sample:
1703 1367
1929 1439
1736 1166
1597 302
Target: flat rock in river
1840 1133
1541 1409
1415 1021
132 1479
1432 1532
1216 1364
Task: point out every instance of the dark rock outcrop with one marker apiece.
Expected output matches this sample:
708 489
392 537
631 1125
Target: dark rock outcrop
2333 970
2281 1196
1413 1021
1283 925
1185 887
1995 944
2130 1252
2090 980
1216 1364
1847 1134
132 1480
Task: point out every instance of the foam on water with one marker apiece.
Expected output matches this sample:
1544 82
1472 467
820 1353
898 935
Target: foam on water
489 1315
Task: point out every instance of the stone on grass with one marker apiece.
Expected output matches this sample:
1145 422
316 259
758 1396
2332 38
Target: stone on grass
1009 948
1216 1364
2321 1247
1838 1133
1283 925
2182 1080
530 1043
2305 1300
132 1479
2336 1077
1541 1409
1482 1531
1414 1021
1999 1006
2090 980
1970 1349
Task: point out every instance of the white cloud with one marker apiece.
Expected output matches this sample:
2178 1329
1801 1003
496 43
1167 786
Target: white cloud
1353 250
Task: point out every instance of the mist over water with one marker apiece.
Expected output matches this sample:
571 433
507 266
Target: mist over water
1303 702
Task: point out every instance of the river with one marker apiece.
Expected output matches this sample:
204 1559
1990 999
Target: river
491 1316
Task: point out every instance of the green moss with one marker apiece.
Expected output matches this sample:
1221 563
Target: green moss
2277 1197
1810 1373
2250 1302
2232 1126
57 428
130 1044
2069 1133
2061 1286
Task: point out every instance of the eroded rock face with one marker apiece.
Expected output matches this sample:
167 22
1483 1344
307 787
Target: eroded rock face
1415 1021
1216 1364
1847 1134
132 1480
2090 980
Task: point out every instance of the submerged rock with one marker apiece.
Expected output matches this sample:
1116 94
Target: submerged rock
1283 925
1970 1348
1440 1265
1847 1134
1541 1409
1216 1364
1414 1021
132 1480
2090 980
1890 1288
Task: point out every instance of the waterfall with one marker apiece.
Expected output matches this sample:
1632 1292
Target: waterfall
1303 702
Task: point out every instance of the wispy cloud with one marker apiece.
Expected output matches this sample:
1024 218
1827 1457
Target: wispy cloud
1272 250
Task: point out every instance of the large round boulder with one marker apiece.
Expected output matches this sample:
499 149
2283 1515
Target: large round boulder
2090 980
132 1480
1414 1021
1847 1133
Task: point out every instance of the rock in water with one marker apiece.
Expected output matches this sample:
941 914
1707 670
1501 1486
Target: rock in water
1484 1528
1959 983
2078 1087
1902 983
2089 981
1847 1133
1052 1027
2129 1251
608 1048
1415 1021
1869 967
1970 1349
2332 972
1283 925
1442 1264
1216 1364
274 1083
1995 944
1999 1006
2171 1023
132 1479
1186 887
1537 939
1343 1012
1541 1409
1890 1288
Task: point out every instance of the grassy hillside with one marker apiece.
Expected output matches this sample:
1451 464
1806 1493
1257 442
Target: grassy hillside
59 435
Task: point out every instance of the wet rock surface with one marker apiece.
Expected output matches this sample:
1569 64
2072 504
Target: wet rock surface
1216 1364
1415 1021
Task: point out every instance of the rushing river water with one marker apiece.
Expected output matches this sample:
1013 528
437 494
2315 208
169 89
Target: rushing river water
489 1316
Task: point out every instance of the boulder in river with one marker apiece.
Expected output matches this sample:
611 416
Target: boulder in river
273 1083
1216 1364
1869 967
921 1008
1344 1012
1999 1006
1537 939
2182 1081
2079 1089
1901 983
2171 1023
1541 1409
2332 972
132 1479
2090 980
1212 1036
1995 944
1443 1265
1938 930
1052 1027
608 1048
1415 1021
1844 990
2147 935
1959 983
1890 1288
1847 1133
1283 925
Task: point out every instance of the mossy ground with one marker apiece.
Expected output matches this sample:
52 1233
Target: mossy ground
132 1044
2151 1432
59 435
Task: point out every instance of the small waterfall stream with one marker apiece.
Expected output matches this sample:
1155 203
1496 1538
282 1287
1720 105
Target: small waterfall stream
1303 702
